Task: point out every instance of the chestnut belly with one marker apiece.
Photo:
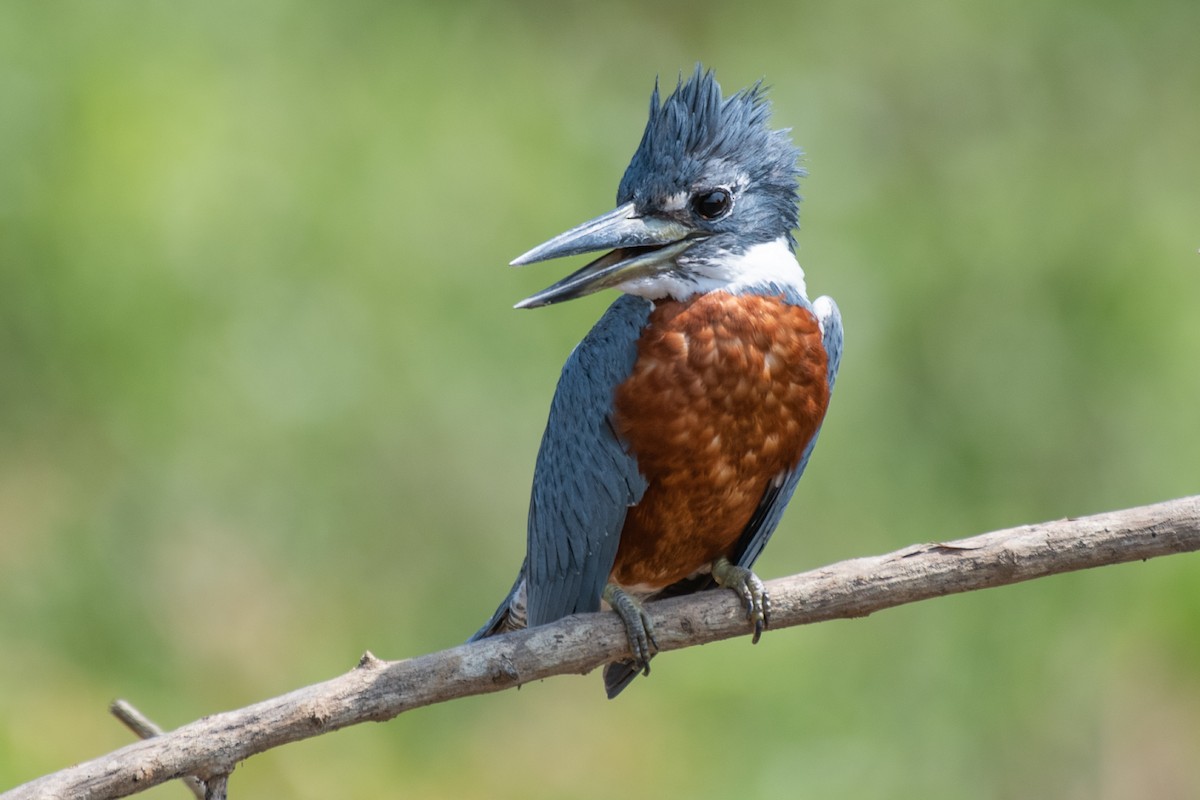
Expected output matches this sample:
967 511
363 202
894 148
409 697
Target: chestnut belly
726 392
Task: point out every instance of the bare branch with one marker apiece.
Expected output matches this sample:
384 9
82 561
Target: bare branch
145 728
379 690
215 788
135 720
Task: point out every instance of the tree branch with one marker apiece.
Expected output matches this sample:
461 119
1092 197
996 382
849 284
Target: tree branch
378 690
145 728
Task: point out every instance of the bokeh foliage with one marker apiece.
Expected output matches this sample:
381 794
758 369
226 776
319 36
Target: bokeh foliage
264 403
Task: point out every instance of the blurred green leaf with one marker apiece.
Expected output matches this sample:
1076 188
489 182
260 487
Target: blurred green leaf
264 403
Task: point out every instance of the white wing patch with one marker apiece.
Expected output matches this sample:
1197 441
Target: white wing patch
824 308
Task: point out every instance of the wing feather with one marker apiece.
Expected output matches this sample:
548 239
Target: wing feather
585 479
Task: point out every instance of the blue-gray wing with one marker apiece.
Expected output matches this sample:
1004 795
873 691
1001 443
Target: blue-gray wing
584 482
770 509
585 479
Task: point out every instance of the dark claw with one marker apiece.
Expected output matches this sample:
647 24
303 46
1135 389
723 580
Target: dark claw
751 589
638 629
765 622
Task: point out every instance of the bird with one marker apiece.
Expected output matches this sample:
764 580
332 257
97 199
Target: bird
683 420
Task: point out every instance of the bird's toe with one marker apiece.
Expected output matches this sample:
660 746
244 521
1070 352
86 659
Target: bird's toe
638 628
751 589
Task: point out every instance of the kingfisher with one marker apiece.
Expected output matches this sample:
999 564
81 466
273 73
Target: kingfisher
684 419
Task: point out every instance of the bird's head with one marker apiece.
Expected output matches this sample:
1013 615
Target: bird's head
709 182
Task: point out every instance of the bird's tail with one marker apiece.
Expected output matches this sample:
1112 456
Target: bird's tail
510 616
618 675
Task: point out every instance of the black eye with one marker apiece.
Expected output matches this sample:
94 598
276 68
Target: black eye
712 204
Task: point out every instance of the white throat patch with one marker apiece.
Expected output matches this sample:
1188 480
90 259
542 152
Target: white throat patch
772 262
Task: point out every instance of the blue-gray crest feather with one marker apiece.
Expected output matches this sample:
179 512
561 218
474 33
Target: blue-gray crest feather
696 129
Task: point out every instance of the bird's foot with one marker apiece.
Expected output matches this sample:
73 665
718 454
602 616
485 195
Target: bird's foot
751 589
637 626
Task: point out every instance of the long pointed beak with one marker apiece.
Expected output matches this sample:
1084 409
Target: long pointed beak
641 246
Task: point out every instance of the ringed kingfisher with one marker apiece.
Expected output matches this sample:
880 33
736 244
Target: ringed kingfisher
684 419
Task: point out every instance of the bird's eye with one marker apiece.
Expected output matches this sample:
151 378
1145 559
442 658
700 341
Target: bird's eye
712 204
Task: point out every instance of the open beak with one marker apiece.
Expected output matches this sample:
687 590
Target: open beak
641 246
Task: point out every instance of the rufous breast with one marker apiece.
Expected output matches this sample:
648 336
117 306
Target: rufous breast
726 392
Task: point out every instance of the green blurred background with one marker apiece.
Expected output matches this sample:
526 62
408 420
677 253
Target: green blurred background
264 402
